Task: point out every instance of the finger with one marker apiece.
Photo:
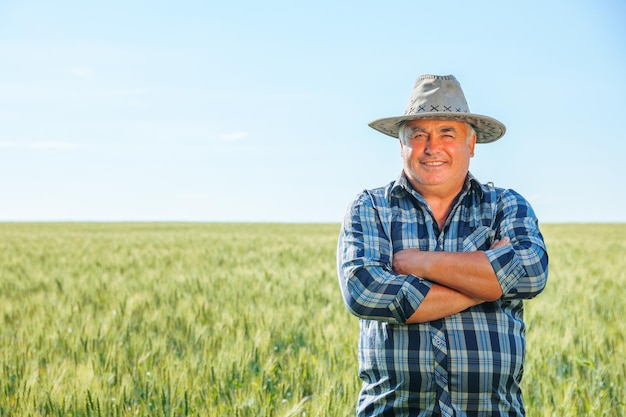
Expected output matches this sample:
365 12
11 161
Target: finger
499 243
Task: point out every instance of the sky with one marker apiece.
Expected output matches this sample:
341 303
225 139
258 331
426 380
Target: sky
250 111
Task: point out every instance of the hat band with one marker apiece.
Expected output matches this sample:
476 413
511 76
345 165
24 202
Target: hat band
432 108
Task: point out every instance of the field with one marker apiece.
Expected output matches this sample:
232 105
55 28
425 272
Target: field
177 319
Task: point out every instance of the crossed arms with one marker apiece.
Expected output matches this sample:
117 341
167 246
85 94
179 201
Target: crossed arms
412 286
460 280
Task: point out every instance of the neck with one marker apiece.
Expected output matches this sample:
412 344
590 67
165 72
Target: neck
439 199
440 208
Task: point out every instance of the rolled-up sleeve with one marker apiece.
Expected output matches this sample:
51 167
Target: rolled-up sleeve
370 288
522 267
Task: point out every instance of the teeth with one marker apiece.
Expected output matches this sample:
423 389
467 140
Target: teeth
433 164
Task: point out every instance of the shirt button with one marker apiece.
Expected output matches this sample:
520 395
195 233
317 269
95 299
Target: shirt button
439 342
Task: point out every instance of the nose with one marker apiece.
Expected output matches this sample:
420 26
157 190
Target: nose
431 145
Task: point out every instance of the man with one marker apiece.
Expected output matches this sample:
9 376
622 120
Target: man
436 266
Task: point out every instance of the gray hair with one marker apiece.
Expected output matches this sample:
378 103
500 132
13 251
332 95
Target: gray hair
470 132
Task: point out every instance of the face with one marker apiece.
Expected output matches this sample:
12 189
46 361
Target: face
436 156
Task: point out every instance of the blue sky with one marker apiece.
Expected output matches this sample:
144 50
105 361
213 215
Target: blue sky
258 111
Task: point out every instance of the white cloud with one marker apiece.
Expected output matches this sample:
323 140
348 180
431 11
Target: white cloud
227 137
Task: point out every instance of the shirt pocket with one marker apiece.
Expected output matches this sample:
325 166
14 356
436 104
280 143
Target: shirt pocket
479 239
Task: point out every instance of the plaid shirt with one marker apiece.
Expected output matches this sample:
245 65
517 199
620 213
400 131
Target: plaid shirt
466 364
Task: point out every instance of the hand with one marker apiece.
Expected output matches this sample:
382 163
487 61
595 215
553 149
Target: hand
500 243
406 261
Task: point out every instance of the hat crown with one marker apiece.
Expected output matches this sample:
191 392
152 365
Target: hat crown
441 97
436 94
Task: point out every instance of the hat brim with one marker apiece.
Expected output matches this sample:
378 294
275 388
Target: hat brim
487 129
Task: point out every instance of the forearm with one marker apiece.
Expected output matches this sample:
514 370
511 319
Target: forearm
441 302
469 273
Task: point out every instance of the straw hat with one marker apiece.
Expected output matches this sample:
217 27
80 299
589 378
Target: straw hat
441 97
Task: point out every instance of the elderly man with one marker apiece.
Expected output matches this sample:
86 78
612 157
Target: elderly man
436 266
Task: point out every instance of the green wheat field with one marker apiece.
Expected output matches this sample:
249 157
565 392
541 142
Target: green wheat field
202 319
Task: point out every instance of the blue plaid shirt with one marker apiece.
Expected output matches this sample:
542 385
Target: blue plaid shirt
466 364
